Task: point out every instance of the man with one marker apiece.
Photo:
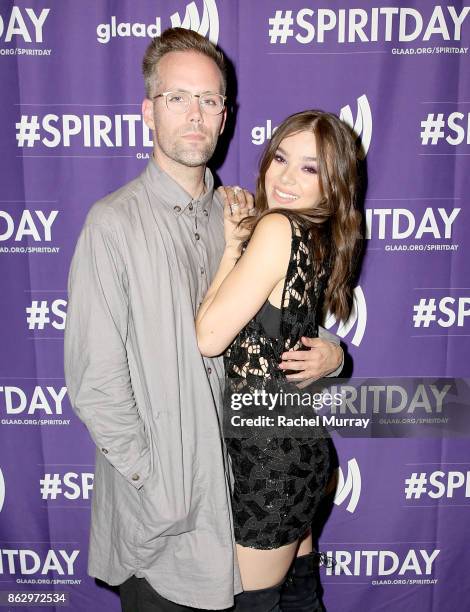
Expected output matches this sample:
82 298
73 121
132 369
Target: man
161 524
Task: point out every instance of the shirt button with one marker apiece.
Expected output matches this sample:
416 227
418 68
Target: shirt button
104 451
203 271
190 206
177 209
135 477
197 236
205 212
209 370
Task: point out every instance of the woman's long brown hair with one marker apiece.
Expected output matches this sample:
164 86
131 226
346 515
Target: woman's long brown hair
336 212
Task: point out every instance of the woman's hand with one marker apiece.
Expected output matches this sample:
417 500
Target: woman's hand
238 204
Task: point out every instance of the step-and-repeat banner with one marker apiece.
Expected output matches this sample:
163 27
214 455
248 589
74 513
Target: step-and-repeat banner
71 132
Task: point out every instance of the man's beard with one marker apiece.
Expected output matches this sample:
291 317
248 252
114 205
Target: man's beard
183 153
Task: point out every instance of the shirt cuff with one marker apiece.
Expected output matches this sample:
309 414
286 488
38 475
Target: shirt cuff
337 372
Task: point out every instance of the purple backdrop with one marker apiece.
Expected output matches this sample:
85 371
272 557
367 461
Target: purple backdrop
71 131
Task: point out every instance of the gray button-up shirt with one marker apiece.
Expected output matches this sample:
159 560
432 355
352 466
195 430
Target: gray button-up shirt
161 500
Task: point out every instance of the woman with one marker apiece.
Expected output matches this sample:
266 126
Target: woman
268 293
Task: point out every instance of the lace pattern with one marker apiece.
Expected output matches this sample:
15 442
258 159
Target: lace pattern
278 482
253 355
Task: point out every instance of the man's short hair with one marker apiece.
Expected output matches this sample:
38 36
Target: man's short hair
179 39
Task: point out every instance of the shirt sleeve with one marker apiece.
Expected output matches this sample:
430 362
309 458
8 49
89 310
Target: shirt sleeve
326 335
96 366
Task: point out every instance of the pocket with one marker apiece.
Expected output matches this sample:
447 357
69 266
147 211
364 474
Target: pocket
162 515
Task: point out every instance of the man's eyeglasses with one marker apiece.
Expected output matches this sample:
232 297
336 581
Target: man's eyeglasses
179 101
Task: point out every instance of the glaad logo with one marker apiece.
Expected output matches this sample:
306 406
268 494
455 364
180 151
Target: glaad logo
106 31
2 490
358 315
351 486
362 126
207 26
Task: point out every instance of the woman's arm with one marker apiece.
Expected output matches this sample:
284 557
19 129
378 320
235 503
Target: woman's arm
238 291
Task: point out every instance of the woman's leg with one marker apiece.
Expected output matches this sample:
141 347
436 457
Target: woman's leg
306 544
260 569
263 573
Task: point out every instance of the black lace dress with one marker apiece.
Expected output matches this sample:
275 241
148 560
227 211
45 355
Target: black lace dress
278 480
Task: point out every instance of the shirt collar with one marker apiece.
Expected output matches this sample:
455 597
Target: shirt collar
172 195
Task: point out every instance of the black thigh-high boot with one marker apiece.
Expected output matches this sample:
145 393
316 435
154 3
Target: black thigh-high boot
259 600
301 585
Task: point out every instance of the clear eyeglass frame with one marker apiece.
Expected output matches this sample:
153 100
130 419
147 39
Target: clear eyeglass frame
179 101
